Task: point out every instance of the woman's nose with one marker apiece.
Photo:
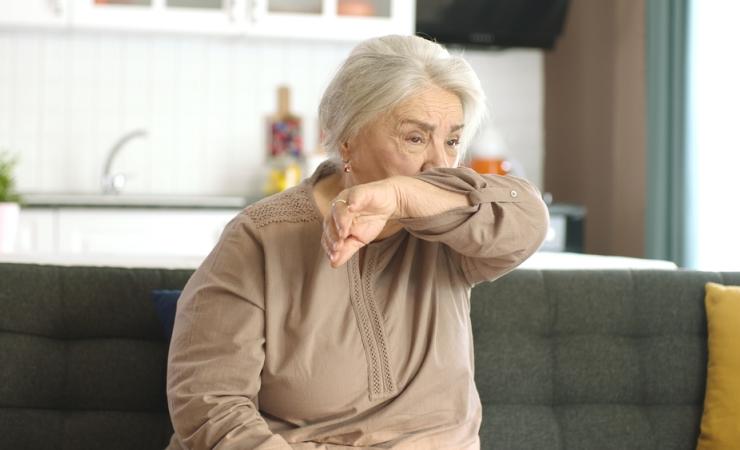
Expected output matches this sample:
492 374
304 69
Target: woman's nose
437 157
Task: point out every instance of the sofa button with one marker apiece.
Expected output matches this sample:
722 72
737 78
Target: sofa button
514 193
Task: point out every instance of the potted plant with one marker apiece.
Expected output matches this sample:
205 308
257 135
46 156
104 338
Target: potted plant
9 203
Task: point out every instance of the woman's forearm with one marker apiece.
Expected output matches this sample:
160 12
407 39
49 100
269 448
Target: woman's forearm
417 198
506 223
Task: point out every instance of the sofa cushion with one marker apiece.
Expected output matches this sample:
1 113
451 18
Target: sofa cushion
165 303
83 362
719 425
82 359
612 359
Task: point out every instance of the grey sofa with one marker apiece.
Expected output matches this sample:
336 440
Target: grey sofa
592 360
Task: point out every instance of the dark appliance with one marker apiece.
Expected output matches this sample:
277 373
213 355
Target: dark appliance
497 23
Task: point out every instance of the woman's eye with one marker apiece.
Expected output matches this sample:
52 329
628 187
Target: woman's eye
453 142
416 139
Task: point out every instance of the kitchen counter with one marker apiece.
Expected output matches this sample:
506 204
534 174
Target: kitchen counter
175 201
540 260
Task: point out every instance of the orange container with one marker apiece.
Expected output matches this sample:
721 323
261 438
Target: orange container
497 166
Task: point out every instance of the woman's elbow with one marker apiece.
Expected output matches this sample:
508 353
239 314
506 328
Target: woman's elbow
537 217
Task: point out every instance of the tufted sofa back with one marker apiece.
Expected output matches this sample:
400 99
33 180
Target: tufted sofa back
82 358
592 360
564 360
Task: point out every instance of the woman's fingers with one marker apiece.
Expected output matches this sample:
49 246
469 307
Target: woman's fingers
336 229
330 230
356 217
338 244
348 248
327 245
340 250
342 216
327 238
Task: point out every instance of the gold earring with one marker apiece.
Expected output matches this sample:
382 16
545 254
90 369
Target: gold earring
347 167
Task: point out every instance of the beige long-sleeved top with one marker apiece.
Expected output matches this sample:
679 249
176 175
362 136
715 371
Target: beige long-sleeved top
274 349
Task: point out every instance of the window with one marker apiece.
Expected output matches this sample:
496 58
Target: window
714 134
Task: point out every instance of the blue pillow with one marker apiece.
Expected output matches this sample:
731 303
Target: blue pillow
165 303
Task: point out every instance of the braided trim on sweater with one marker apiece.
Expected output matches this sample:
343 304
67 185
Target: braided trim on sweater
293 206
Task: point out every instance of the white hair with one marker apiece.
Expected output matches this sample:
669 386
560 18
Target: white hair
381 72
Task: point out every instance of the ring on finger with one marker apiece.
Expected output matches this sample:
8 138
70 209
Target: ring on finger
339 200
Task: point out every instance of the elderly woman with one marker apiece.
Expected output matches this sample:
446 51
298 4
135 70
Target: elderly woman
335 315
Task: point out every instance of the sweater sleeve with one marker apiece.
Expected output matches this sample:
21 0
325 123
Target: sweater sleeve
216 353
506 224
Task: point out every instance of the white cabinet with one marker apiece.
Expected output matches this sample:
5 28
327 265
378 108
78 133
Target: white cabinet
199 16
139 231
346 20
52 13
331 19
310 19
36 231
123 232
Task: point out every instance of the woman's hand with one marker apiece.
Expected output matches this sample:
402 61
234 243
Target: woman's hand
359 214
356 217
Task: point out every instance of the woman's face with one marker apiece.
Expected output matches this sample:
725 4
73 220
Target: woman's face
421 133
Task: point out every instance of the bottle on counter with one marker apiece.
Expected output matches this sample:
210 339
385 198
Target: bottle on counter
489 153
285 146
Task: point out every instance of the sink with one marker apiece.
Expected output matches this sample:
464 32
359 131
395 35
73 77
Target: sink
79 199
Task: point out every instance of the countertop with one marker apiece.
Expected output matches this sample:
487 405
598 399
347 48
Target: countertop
166 201
179 201
540 260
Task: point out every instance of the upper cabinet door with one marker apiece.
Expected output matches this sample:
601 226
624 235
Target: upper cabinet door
52 13
331 19
346 20
209 16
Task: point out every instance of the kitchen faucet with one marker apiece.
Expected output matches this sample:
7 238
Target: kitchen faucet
112 184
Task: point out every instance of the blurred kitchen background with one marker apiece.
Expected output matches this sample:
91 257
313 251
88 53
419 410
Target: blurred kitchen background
140 126
203 100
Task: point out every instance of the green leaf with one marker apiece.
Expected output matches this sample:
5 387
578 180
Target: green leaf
7 182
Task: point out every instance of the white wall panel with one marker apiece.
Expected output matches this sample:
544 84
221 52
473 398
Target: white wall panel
66 97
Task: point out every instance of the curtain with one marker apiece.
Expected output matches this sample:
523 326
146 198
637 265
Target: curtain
668 206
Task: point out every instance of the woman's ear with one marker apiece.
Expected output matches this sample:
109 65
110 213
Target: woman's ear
344 151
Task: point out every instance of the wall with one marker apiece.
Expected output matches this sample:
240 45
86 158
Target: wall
513 82
65 97
595 122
